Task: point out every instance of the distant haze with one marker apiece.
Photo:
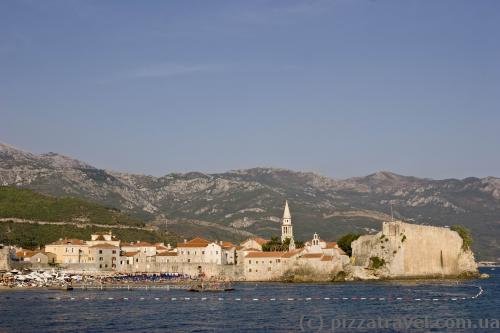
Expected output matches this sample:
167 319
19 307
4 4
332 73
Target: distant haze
343 88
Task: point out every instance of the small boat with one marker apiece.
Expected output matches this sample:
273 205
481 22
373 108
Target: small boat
211 289
218 284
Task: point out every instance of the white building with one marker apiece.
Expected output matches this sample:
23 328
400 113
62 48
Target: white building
145 248
192 251
103 238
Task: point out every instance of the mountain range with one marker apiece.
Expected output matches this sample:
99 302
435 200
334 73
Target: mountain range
242 203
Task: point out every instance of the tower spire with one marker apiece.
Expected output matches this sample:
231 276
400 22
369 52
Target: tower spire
286 212
286 227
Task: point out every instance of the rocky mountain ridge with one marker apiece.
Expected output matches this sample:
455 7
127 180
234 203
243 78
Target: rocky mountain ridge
245 202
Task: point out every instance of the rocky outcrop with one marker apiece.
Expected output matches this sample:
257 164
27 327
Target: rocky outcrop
403 250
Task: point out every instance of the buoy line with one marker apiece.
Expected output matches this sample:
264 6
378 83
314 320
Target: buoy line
251 299
257 299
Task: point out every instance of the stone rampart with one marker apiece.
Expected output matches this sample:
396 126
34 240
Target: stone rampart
409 250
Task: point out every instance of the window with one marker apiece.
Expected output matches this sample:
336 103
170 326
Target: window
278 260
72 250
137 260
100 265
249 261
216 252
66 250
114 251
188 252
189 260
202 252
101 258
106 265
270 261
250 270
100 251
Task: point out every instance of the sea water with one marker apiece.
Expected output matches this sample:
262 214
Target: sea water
405 306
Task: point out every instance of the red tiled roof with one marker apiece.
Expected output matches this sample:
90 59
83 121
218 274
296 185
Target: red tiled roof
259 254
70 241
331 245
290 254
195 242
144 244
312 255
258 240
129 254
327 258
104 246
227 245
25 253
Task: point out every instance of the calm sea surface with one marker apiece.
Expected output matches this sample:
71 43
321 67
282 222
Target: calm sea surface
349 307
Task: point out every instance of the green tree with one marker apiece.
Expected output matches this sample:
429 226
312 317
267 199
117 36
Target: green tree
465 234
345 241
275 244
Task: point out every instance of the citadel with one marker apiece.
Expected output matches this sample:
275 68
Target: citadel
400 250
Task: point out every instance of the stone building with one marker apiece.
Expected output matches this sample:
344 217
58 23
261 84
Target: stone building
104 256
229 253
43 259
192 251
253 244
69 251
167 257
103 238
317 245
25 255
265 266
5 258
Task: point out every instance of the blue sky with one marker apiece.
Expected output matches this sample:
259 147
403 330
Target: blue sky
344 88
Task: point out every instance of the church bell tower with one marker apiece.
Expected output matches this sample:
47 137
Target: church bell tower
287 228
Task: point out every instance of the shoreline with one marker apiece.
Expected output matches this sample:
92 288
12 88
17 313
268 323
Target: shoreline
178 285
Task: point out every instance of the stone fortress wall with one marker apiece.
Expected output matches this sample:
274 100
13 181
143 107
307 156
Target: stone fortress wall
233 272
4 258
410 250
